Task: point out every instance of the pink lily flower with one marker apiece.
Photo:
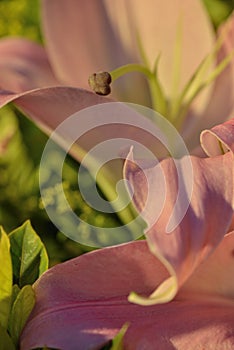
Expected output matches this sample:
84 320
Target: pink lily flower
185 278
104 36
43 82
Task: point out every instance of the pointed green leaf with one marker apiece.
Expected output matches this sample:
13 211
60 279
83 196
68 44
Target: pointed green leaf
5 278
20 312
5 340
117 343
28 255
15 292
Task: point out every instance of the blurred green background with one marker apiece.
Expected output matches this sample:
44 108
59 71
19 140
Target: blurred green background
21 146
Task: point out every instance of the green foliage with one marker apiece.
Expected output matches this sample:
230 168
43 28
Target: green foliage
6 342
5 278
23 259
20 18
219 10
18 173
28 254
20 312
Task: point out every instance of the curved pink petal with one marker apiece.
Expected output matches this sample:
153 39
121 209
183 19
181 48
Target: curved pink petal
190 240
83 303
156 22
51 106
24 65
219 139
102 36
86 46
92 285
89 44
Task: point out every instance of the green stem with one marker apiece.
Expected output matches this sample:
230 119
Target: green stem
128 68
157 96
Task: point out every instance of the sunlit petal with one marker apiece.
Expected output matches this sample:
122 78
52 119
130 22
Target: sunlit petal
90 306
201 228
156 22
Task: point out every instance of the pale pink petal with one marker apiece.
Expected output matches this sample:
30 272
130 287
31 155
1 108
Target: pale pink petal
83 303
183 324
189 241
24 66
156 22
91 285
88 45
219 139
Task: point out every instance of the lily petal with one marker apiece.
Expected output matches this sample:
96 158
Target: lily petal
24 66
200 231
81 304
214 275
51 106
219 139
87 45
156 23
101 281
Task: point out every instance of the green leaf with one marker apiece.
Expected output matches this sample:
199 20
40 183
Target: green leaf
15 292
117 342
20 312
6 342
5 278
28 255
218 10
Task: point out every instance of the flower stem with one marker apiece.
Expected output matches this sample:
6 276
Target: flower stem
128 68
157 97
